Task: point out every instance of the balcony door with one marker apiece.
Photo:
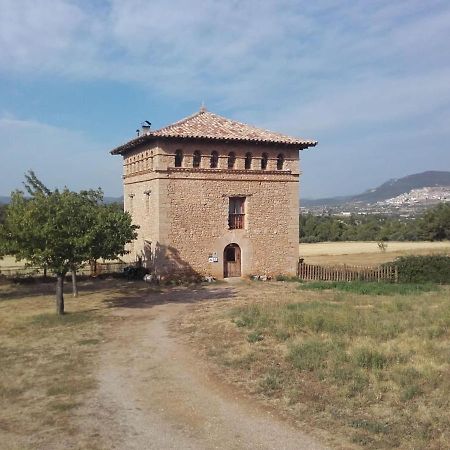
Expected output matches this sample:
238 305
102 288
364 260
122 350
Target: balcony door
236 213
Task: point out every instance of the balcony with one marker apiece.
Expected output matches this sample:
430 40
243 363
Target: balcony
236 221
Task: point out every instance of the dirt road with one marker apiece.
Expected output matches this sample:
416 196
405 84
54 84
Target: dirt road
154 394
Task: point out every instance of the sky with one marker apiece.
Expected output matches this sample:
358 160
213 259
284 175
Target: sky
369 80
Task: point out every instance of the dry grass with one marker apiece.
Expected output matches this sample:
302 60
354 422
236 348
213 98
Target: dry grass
48 362
374 369
10 261
366 253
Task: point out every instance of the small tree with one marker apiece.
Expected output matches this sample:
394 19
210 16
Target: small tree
58 229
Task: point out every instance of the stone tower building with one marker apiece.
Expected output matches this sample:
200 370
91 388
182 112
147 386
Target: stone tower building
214 196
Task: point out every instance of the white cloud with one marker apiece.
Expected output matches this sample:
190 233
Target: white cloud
230 52
326 69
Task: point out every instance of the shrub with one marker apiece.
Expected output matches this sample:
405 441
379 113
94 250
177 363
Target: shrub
423 269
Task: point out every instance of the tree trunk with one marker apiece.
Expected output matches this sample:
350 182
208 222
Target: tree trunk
93 263
74 283
60 294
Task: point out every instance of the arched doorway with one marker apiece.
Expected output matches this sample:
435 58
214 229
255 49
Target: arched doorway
232 261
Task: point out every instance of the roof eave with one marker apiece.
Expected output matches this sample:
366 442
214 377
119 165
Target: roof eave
301 145
130 145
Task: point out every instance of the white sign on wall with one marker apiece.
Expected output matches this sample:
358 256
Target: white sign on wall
213 258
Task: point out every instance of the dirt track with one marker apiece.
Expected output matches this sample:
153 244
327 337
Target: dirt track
154 394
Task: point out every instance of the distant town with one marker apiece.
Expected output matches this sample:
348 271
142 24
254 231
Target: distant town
409 204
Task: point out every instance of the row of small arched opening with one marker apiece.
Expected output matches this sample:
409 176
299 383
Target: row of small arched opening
214 160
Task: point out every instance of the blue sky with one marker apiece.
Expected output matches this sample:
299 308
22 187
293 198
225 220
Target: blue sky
370 80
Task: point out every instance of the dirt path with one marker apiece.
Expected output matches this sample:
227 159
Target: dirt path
154 394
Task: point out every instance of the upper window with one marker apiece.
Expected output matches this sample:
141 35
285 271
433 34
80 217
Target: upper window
231 160
179 158
248 160
214 162
280 161
196 159
264 159
236 213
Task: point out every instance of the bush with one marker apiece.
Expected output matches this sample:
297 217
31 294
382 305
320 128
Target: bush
423 269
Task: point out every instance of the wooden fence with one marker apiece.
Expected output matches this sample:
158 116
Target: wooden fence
313 272
101 268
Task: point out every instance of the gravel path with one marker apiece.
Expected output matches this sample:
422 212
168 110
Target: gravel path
154 394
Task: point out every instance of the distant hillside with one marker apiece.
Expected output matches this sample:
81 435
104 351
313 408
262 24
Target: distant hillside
390 189
398 186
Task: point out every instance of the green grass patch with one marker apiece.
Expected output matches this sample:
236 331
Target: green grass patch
370 288
375 365
315 354
50 320
89 341
64 406
369 358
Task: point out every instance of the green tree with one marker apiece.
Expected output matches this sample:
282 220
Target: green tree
60 230
435 223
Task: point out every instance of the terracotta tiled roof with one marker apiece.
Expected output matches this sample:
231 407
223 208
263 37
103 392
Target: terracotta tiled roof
207 125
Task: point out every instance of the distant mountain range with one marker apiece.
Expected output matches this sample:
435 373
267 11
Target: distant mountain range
390 189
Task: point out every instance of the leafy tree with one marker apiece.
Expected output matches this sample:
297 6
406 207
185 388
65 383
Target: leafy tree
435 223
60 230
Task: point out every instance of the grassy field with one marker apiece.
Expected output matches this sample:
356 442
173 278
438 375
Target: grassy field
47 362
371 365
366 253
369 362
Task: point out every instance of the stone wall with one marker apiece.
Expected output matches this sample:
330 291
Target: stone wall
183 212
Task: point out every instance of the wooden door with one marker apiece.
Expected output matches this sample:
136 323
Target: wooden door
232 261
